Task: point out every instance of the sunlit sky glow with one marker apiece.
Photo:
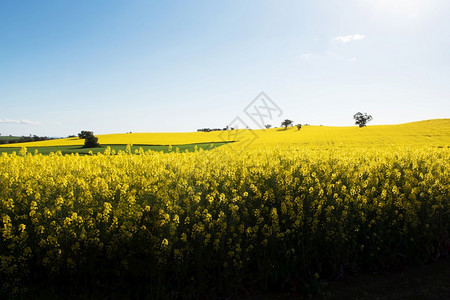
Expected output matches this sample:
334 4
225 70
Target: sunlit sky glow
155 66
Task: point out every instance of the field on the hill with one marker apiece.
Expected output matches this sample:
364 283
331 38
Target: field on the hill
423 133
276 210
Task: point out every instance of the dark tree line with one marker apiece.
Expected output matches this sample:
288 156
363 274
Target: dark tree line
25 139
214 129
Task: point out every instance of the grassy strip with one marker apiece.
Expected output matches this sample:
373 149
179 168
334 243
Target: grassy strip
84 151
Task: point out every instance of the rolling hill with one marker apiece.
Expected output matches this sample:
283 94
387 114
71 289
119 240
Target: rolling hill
434 132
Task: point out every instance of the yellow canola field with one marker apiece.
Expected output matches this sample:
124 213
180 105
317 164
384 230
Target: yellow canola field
430 133
219 216
423 133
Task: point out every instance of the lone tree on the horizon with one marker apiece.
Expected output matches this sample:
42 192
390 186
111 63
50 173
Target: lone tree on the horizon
287 123
90 140
267 126
362 119
299 126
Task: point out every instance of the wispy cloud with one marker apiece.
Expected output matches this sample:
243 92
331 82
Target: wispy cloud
349 38
26 122
307 55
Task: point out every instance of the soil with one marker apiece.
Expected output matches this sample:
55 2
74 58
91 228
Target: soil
430 281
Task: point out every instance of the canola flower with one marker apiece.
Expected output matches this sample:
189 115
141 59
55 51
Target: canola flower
215 216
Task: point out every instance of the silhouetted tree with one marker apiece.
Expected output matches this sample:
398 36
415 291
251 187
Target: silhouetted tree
361 119
267 126
84 134
299 126
287 123
90 141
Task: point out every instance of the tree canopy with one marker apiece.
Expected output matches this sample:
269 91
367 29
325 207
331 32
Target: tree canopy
90 141
287 123
361 119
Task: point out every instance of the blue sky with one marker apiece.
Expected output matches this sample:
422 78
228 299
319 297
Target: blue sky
154 66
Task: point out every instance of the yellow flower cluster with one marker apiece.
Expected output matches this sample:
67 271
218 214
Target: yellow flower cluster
215 216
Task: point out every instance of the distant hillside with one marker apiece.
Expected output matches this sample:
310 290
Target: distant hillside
422 133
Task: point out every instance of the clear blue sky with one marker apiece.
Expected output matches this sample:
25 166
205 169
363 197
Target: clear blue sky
142 66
